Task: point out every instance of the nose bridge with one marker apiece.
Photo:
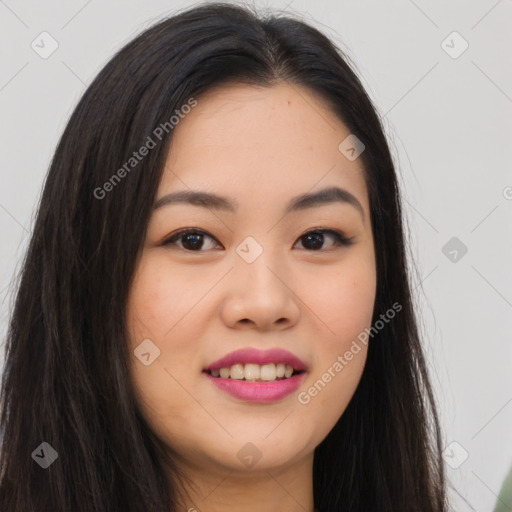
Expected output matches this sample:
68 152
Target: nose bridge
258 291
258 264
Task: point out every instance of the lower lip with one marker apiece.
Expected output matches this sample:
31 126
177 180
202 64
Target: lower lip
263 392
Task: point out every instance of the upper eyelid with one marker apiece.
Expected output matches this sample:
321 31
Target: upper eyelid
204 232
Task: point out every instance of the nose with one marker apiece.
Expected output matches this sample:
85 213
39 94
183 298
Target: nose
260 295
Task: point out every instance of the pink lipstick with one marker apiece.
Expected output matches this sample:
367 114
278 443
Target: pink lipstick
257 376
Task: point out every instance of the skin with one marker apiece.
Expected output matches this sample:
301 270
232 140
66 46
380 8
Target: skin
260 147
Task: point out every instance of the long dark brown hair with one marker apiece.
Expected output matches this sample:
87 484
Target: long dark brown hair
66 376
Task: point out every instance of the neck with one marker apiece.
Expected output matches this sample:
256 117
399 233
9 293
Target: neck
219 489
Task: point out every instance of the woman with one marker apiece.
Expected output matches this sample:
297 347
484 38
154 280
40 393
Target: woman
214 311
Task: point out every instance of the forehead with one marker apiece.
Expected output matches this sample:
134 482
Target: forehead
261 144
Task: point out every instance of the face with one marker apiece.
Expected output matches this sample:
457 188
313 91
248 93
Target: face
261 270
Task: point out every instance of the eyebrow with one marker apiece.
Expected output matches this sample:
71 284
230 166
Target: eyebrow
299 203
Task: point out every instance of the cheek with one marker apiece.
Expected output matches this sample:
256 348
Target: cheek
345 306
342 300
156 304
161 298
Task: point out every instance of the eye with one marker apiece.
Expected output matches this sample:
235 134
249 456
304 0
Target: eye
314 239
193 240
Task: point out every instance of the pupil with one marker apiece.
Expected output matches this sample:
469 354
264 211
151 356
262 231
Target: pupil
316 238
193 241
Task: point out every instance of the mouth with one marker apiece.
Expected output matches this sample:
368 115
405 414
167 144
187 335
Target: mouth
256 376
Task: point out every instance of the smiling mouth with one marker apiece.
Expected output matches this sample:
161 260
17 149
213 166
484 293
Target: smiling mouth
251 372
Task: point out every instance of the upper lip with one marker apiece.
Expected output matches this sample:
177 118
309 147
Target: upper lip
252 355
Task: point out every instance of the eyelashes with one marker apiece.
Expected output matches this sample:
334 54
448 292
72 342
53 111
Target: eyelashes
193 240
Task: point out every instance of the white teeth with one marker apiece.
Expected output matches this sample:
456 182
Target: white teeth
268 372
253 372
237 371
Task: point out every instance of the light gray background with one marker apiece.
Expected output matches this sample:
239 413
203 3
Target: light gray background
449 123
